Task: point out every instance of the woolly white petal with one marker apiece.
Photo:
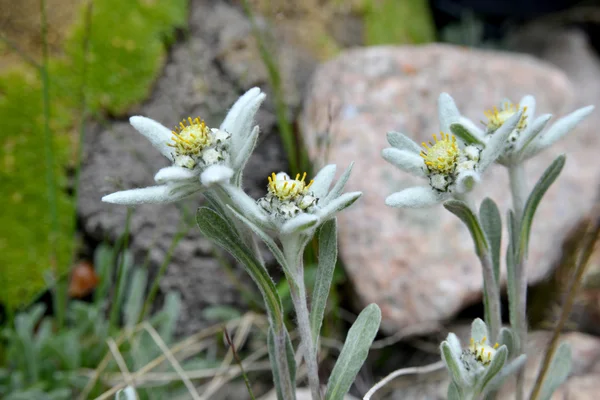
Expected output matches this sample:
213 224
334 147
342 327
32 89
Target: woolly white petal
338 188
402 142
156 133
247 206
478 330
415 197
559 129
323 180
240 119
246 150
216 174
447 112
405 160
497 142
529 102
466 180
174 174
328 211
302 222
152 194
533 129
454 343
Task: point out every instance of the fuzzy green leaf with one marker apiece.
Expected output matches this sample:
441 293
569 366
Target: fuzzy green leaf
494 368
453 392
135 298
558 372
354 353
325 268
534 199
466 215
216 228
491 223
511 277
453 365
291 362
463 133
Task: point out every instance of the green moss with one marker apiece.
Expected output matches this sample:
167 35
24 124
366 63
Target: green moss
398 22
126 52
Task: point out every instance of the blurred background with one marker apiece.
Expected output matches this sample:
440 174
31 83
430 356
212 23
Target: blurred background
92 294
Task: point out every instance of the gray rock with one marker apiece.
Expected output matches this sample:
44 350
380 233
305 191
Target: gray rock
419 265
198 80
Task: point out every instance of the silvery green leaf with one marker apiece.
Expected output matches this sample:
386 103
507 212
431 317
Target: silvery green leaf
454 343
338 188
559 129
216 228
338 204
533 201
509 369
174 174
466 132
290 362
493 368
454 364
491 223
322 180
299 223
479 330
216 174
403 142
325 268
153 194
528 103
354 353
156 133
531 132
414 197
447 112
497 141
454 392
507 338
558 371
171 309
275 250
466 215
405 160
126 394
135 298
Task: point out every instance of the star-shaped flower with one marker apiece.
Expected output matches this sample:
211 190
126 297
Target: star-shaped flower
201 156
451 166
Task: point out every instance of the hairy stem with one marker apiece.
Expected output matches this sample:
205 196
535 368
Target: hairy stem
518 189
492 294
288 387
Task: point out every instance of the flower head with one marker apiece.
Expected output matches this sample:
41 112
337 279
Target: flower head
526 138
451 166
293 205
473 367
201 156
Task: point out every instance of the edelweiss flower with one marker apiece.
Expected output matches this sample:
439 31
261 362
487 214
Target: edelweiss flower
201 156
474 367
292 205
526 140
450 166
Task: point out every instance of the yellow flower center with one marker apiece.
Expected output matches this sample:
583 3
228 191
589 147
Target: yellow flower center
497 117
482 352
284 188
441 156
189 140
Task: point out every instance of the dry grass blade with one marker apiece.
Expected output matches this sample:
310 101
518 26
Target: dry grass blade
405 371
114 349
165 349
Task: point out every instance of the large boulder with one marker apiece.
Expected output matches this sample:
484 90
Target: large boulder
419 265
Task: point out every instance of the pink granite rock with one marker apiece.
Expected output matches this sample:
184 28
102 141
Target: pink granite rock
419 265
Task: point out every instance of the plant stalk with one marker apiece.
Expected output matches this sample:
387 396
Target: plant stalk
518 189
492 294
589 241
